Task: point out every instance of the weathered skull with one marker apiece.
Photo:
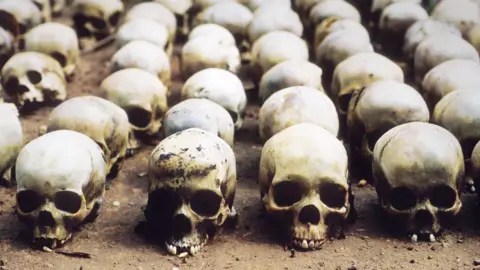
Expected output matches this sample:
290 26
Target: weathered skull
200 113
7 46
101 120
146 30
439 48
377 6
290 73
11 141
142 95
462 13
418 171
303 180
96 18
143 55
295 105
32 78
376 109
154 11
60 184
208 52
45 8
420 30
213 31
57 6
334 24
19 16
57 40
331 8
180 8
192 187
447 77
271 18
221 87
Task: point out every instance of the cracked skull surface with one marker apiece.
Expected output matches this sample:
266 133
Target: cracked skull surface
11 140
303 182
419 171
60 184
192 187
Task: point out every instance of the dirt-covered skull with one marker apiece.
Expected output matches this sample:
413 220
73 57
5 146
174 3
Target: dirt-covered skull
96 18
11 141
60 184
19 16
142 95
419 171
200 113
303 180
57 40
101 120
143 55
221 87
192 188
33 78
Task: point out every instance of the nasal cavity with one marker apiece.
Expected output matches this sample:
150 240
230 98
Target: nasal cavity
181 225
46 219
309 214
423 218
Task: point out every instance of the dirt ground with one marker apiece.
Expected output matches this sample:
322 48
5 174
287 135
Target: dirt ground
113 244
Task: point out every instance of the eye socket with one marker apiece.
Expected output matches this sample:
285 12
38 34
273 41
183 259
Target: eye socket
138 117
9 22
98 23
114 18
163 202
205 203
38 5
68 201
62 60
34 76
344 100
443 196
333 195
372 138
287 193
11 85
29 200
402 198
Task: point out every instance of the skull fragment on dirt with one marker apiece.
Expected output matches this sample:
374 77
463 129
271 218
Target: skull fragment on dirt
192 187
60 184
11 141
101 120
303 182
419 173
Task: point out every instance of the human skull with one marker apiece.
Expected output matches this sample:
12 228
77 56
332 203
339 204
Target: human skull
418 171
180 8
254 5
420 30
334 24
332 8
221 87
7 46
290 73
447 77
439 48
96 18
200 113
60 184
192 187
142 95
295 105
101 120
157 12
213 31
207 52
376 109
11 141
19 16
303 180
45 8
462 13
32 78
57 40
378 6
147 30
143 55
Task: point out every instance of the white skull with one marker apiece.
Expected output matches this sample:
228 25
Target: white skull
303 7
142 95
143 55
57 40
60 184
96 18
380 5
418 171
332 8
295 105
45 8
101 120
462 13
254 5
180 8
290 73
447 77
192 187
11 141
200 113
154 11
303 180
147 30
271 18
33 78
19 16
221 87
421 30
208 52
334 24
439 48
7 46
213 31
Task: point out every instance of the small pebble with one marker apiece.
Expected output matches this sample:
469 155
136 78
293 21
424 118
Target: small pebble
410 248
412 261
292 253
429 257
116 203
362 183
142 174
183 255
352 267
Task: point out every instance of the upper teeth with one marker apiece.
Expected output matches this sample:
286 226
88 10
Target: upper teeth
307 244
